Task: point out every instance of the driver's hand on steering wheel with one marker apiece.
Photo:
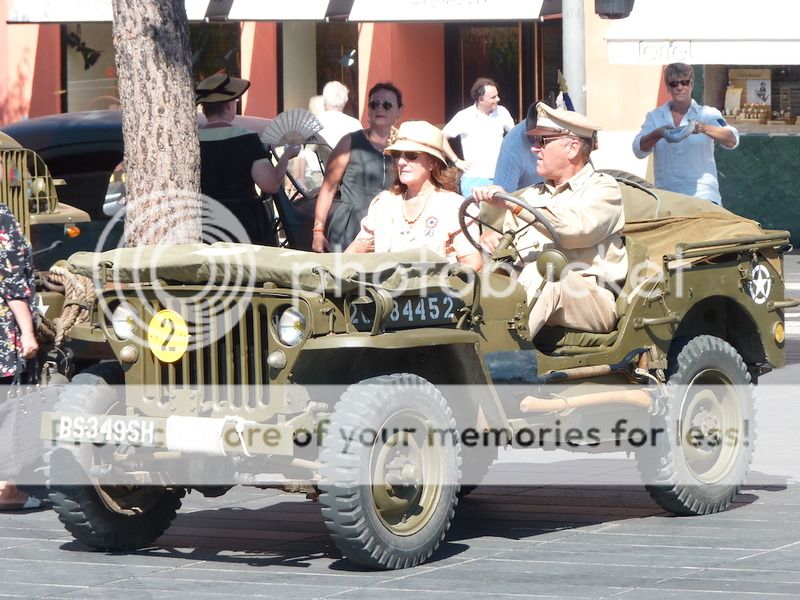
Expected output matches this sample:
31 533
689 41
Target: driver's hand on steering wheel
489 240
485 193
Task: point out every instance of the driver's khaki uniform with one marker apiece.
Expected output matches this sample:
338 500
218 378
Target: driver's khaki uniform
586 211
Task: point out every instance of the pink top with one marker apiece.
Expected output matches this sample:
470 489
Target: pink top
387 229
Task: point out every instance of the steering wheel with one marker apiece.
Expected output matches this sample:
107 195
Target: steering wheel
465 218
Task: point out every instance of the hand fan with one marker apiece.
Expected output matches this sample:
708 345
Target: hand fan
294 126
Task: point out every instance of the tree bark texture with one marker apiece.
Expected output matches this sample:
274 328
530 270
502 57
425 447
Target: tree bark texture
159 128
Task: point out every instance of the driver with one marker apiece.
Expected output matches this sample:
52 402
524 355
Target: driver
584 208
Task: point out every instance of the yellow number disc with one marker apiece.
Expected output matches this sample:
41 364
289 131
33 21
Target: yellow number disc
168 335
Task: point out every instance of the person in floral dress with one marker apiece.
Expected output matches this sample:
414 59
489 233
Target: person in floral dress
17 338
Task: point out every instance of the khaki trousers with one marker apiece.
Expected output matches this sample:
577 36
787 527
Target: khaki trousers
576 301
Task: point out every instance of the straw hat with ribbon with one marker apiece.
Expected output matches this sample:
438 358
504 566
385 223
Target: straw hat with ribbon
418 136
220 88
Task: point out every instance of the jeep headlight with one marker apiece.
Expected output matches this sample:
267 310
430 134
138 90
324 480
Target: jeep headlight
290 326
123 321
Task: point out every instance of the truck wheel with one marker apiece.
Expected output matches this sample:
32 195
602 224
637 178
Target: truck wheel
103 516
699 462
390 471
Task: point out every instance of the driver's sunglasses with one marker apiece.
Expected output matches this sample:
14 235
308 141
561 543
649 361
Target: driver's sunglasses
540 141
374 104
677 82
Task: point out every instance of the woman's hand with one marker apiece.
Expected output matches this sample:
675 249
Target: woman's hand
29 345
292 150
319 242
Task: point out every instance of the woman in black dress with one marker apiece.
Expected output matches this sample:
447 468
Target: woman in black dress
356 172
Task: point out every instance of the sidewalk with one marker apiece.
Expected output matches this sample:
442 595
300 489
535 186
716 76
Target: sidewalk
509 543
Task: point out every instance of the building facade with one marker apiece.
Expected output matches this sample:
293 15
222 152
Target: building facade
68 65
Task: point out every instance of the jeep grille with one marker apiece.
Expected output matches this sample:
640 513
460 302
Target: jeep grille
228 360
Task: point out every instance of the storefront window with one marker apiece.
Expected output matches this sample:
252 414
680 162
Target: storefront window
756 99
524 59
215 47
91 73
474 52
337 59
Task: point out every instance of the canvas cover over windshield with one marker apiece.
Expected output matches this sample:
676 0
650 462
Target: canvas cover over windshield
221 263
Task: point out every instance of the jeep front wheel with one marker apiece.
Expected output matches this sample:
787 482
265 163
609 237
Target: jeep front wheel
107 517
704 450
390 471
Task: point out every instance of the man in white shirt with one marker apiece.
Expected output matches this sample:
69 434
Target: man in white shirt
335 123
481 127
683 133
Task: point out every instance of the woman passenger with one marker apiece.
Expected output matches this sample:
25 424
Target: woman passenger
420 210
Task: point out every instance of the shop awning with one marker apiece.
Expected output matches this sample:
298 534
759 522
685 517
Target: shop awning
728 32
94 11
446 10
278 10
86 11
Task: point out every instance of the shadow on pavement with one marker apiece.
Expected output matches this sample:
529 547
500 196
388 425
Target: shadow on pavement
291 533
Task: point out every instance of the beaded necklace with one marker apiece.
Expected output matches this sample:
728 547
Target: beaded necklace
419 214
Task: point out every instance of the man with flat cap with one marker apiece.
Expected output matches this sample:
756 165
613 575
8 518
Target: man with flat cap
232 159
585 209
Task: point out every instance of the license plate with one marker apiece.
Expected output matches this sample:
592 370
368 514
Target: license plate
104 429
434 309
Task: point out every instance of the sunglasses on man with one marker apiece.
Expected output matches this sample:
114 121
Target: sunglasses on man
677 82
387 105
540 141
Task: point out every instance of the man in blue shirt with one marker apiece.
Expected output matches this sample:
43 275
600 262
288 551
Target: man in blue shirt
516 164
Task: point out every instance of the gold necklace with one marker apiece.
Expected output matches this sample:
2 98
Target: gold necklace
419 214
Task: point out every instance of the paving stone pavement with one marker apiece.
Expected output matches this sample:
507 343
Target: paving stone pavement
558 540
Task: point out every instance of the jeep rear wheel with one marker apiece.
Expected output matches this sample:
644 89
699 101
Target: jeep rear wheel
390 471
700 460
107 517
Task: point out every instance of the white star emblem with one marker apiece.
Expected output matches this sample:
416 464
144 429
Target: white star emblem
760 284
40 305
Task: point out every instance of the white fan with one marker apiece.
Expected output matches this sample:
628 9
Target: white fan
294 126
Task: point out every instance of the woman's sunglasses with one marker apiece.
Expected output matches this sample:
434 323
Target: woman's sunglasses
676 83
373 104
409 156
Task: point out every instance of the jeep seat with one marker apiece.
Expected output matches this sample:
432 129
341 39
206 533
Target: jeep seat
564 340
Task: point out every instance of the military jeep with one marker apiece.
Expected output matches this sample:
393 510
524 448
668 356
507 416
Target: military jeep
383 385
30 192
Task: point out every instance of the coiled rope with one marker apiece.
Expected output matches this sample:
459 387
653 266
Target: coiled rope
79 297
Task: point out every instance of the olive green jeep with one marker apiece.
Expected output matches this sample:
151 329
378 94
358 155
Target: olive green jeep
30 192
384 385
